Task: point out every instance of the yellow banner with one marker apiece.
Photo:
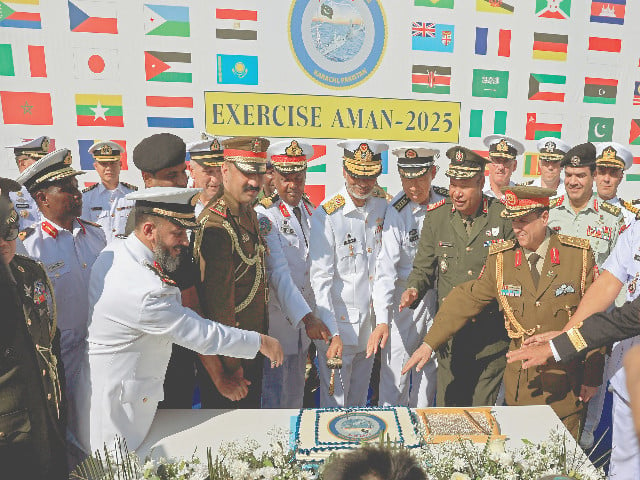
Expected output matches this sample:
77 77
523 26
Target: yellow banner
317 116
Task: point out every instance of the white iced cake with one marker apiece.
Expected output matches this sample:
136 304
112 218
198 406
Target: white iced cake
319 432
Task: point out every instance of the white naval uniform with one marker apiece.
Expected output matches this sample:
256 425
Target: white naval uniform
26 208
343 249
290 299
559 191
629 216
624 264
108 208
489 193
136 315
400 237
67 257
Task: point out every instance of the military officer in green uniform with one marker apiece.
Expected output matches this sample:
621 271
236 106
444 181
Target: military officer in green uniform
453 246
32 432
232 286
538 280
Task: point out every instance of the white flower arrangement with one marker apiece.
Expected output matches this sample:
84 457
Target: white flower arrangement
246 460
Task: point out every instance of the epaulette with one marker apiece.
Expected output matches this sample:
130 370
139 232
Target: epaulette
556 202
266 202
433 206
574 241
87 222
501 246
525 184
88 189
334 204
441 191
629 206
26 233
307 200
635 202
220 207
379 192
163 276
612 209
129 186
194 200
402 202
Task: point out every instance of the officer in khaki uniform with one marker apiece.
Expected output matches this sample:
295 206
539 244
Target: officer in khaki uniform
232 285
454 242
32 438
538 279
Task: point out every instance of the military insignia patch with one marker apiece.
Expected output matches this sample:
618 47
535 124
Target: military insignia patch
444 266
39 291
511 290
265 226
565 289
413 235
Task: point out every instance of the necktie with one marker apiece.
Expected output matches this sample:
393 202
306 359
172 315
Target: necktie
533 261
298 213
468 223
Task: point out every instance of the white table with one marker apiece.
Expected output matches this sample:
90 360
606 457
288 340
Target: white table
177 433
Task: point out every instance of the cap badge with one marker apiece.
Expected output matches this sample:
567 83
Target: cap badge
45 145
13 217
410 153
363 154
459 155
609 153
575 161
106 150
256 145
67 159
550 147
510 199
502 146
215 144
293 150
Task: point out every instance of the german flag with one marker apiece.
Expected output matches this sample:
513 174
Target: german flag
550 46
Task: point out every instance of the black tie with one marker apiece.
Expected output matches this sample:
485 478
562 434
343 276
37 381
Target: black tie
535 275
298 213
468 223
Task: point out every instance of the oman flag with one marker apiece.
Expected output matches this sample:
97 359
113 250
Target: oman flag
542 125
97 110
26 108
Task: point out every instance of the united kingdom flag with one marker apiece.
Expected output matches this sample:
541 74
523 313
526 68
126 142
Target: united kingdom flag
423 29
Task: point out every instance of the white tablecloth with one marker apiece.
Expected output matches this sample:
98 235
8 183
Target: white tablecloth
177 433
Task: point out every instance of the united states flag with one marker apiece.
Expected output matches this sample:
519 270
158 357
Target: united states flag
422 29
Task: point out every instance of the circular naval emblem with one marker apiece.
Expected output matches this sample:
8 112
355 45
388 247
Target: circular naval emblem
338 43
357 427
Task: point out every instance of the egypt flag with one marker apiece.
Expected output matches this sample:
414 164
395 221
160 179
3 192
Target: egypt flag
550 46
431 79
166 20
167 66
97 110
86 159
543 125
236 24
92 17
20 14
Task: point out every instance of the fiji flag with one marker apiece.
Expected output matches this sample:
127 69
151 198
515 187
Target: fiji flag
440 40
237 69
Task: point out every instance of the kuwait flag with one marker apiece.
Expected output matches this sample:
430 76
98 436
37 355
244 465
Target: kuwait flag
236 24
97 110
600 90
546 87
34 62
166 21
170 112
543 125
484 38
167 67
26 108
431 79
86 159
92 17
95 63
20 14
531 165
608 11
550 46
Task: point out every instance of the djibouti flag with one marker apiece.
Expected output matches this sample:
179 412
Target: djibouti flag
166 20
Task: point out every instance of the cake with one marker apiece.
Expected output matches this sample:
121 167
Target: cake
476 424
320 432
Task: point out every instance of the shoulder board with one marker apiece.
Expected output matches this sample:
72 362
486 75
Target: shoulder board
501 246
433 206
26 233
441 191
524 184
266 202
25 259
307 200
379 192
163 276
635 202
629 206
194 200
220 208
556 202
574 241
335 203
612 209
129 186
88 189
87 222
401 203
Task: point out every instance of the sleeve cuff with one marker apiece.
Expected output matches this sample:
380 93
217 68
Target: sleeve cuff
556 356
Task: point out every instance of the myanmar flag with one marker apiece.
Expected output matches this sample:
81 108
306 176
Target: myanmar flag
97 110
26 108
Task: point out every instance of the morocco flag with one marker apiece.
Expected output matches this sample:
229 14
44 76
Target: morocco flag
26 108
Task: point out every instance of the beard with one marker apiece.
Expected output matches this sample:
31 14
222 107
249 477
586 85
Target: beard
162 256
354 194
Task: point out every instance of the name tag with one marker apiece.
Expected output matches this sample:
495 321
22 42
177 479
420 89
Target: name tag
22 205
413 235
511 290
55 266
96 208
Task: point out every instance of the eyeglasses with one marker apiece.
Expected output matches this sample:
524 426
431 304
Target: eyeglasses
10 233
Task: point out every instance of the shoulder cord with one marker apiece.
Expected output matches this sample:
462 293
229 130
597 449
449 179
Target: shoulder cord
583 277
514 328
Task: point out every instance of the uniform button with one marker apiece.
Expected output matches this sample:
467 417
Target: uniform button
145 400
113 230
371 278
57 275
369 250
48 396
468 249
470 272
342 317
84 265
538 304
44 373
2 434
113 214
28 322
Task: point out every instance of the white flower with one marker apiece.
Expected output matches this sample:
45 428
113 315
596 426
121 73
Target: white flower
459 463
460 476
496 445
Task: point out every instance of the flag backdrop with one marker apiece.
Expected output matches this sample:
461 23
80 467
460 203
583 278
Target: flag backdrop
86 70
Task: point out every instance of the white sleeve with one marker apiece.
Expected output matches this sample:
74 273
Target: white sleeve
323 265
289 296
386 268
617 263
162 313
